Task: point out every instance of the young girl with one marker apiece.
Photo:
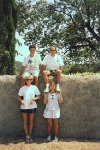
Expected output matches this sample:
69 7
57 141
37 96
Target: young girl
52 110
27 98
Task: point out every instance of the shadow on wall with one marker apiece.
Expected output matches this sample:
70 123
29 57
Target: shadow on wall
80 111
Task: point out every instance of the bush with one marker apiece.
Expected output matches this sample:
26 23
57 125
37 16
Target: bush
81 68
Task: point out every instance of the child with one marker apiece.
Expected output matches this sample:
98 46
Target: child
52 110
31 65
30 94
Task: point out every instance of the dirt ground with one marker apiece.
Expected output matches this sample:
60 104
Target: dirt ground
8 143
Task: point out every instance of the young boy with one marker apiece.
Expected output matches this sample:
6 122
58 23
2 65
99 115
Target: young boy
31 66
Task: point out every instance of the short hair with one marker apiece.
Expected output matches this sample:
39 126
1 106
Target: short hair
32 46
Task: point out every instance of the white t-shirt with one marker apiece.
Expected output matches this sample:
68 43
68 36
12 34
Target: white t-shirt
52 103
28 92
32 63
52 63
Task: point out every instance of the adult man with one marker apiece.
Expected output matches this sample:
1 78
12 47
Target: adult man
52 65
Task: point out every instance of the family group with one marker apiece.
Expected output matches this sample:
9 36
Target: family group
29 93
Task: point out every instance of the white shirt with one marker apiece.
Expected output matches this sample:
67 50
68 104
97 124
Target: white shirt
32 63
52 63
28 92
52 103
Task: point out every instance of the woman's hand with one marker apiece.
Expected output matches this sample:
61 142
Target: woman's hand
22 103
31 101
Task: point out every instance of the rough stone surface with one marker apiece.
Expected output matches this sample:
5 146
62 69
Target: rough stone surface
80 111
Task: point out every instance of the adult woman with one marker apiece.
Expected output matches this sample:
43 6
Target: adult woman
27 96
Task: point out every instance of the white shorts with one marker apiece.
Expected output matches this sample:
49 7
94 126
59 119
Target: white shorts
31 72
51 113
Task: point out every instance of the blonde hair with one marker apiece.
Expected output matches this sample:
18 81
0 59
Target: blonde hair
52 47
28 77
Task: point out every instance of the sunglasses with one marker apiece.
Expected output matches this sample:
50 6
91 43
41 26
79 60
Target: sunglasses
28 79
52 50
52 96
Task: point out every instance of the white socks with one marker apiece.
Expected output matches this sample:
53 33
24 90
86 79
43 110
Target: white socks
47 85
57 85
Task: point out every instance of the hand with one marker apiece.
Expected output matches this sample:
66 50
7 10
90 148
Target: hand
22 103
31 102
45 93
60 93
19 76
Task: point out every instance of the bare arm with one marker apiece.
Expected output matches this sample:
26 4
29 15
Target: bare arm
21 72
40 67
37 97
45 100
43 68
60 98
21 101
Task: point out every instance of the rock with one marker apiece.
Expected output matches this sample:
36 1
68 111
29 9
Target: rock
80 111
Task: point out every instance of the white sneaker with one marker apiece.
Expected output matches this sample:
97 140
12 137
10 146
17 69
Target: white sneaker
49 138
56 139
46 90
31 140
58 89
27 139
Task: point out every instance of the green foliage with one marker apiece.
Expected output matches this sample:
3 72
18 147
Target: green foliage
71 25
8 24
81 68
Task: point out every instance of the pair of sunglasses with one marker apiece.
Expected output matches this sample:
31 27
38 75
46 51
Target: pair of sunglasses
52 96
52 50
28 79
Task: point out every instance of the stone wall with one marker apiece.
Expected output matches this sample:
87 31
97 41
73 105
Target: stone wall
80 111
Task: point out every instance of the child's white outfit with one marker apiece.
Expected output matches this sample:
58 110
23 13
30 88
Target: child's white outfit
52 109
32 65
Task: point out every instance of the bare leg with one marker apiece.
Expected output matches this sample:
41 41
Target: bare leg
36 80
49 120
58 73
25 119
31 119
45 76
56 126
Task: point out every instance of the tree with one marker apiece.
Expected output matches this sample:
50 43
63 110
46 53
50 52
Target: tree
8 25
72 25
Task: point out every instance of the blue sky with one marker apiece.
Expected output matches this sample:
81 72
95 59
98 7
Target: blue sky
22 50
